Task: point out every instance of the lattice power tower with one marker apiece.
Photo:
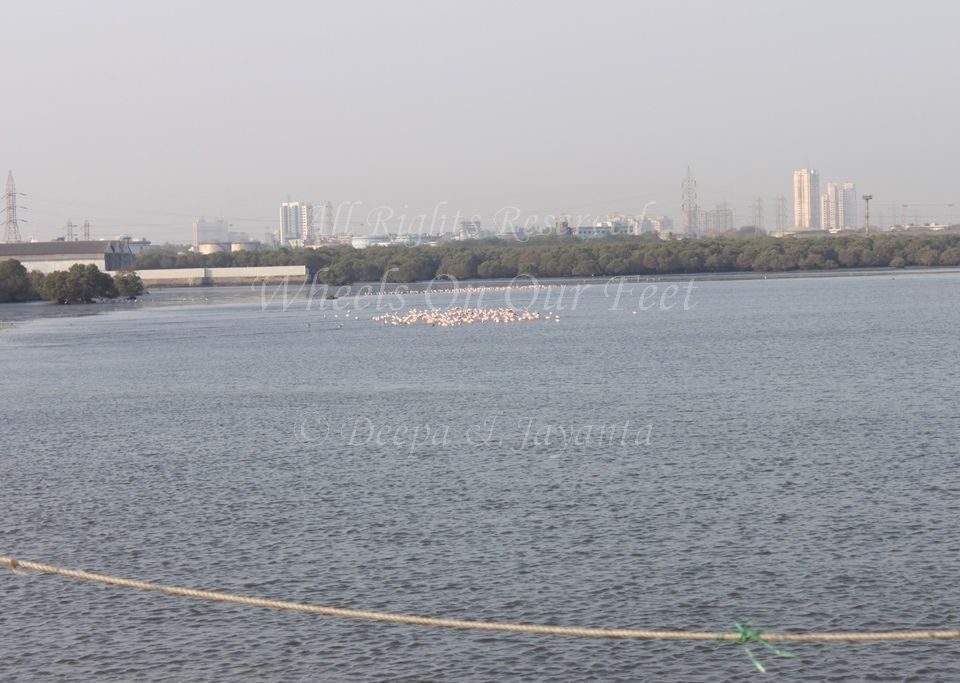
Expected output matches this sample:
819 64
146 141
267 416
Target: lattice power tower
12 231
689 207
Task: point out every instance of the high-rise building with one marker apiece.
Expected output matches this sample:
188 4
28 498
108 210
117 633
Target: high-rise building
806 199
209 230
306 223
291 222
828 208
656 223
847 206
719 220
838 207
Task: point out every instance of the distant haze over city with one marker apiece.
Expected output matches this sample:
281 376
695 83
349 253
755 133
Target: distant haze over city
141 118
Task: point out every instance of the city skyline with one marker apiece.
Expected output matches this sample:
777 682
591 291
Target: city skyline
817 206
147 128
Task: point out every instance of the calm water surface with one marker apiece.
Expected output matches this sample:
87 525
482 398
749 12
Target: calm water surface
784 452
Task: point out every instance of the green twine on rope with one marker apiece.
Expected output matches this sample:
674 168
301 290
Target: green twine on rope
749 634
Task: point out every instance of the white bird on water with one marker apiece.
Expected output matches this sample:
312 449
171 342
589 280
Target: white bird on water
457 316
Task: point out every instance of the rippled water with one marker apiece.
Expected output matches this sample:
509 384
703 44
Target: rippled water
785 452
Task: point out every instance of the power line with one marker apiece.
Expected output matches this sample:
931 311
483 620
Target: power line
688 204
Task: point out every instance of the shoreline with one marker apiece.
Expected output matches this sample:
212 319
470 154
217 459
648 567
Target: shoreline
734 276
522 280
14 315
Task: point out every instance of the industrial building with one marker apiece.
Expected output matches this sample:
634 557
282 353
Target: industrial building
206 248
364 241
236 275
48 257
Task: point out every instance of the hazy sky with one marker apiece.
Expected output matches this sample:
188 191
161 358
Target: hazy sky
139 116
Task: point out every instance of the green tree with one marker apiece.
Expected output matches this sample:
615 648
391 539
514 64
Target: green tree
15 282
927 257
36 282
410 266
494 268
81 284
950 257
566 256
55 287
128 284
459 265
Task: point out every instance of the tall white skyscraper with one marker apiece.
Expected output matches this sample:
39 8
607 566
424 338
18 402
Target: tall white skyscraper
306 223
838 207
806 199
847 206
828 208
291 222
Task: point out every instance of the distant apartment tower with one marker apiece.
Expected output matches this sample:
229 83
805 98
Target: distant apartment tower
700 221
847 206
210 230
720 220
291 222
838 207
806 199
306 223
828 208
657 224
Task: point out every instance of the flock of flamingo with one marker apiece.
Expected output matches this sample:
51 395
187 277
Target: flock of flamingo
469 290
457 315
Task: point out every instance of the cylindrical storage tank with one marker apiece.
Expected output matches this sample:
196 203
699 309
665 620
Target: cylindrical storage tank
212 248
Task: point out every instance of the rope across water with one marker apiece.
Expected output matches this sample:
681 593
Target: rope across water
546 629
